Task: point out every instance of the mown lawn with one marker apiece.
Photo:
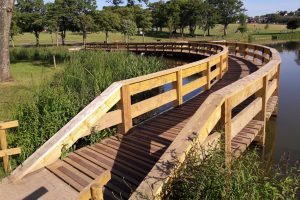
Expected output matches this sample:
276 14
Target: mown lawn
216 33
27 78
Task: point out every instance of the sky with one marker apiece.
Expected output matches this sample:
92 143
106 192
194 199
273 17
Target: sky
254 7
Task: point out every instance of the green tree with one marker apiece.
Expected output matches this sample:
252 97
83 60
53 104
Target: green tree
107 21
128 28
143 21
173 16
293 24
208 16
83 21
229 11
32 14
159 14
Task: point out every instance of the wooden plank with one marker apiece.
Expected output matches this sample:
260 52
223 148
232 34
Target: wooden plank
245 116
196 84
153 103
7 125
108 120
70 175
151 83
214 74
9 152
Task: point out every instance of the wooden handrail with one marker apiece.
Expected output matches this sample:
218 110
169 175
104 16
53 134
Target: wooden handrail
218 108
98 115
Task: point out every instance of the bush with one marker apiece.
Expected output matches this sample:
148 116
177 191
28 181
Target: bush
85 76
38 54
247 178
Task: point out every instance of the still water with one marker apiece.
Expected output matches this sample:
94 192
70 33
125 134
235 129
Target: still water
284 131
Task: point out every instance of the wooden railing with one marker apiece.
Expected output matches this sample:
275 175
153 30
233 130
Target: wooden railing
99 114
217 108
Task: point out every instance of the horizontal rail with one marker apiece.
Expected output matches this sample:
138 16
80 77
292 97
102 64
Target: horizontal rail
217 108
99 114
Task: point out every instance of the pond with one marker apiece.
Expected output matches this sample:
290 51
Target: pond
283 132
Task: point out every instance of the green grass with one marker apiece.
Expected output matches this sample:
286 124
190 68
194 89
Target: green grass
27 78
246 178
216 33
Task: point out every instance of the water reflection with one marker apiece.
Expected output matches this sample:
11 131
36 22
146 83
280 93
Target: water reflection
283 132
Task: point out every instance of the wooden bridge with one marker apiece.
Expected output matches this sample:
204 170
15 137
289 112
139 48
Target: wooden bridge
237 89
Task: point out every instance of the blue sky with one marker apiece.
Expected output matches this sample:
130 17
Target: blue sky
254 7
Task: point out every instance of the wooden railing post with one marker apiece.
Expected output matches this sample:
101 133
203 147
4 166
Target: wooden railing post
208 75
226 117
126 109
220 65
246 52
261 116
96 191
4 151
255 52
179 87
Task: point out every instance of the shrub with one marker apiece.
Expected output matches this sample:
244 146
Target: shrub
247 178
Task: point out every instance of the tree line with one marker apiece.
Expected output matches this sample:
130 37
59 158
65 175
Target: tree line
82 16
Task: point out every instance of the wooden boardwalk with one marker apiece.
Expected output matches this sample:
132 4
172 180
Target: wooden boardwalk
131 157
128 157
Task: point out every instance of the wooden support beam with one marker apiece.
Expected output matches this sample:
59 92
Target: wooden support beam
126 109
179 88
226 116
4 147
220 66
10 152
208 74
262 115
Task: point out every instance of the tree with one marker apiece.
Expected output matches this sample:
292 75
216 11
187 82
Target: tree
159 14
32 14
293 24
143 21
128 28
6 7
229 11
82 18
208 16
107 21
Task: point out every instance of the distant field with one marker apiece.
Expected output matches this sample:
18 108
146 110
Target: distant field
216 33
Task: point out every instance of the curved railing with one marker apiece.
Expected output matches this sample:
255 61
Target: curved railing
217 108
99 114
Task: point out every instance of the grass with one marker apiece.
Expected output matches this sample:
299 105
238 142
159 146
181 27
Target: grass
28 77
246 178
217 33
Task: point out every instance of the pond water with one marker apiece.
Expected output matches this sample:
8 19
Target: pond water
283 132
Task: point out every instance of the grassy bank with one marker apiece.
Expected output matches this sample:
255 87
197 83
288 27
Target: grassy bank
216 33
247 178
82 76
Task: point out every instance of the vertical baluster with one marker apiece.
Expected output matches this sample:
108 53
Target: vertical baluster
208 74
226 118
179 87
125 105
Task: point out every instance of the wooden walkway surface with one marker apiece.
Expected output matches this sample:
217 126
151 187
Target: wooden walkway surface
129 157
